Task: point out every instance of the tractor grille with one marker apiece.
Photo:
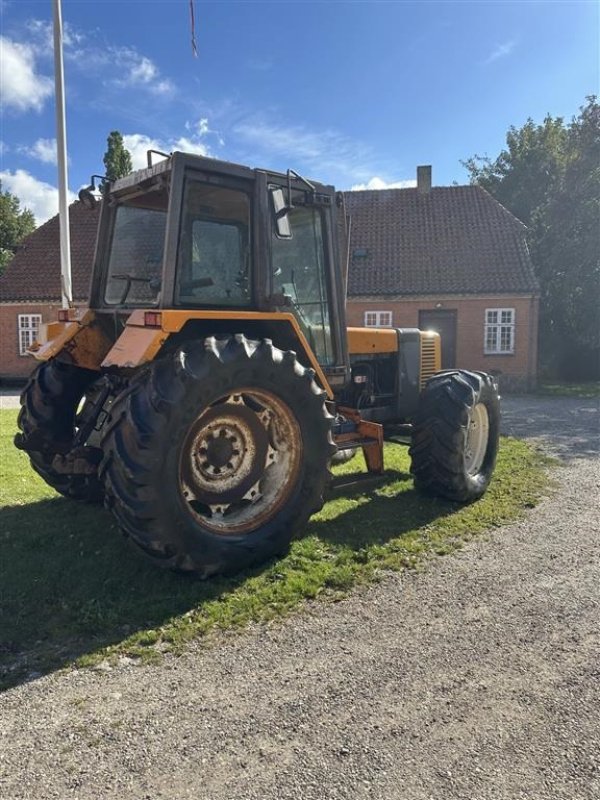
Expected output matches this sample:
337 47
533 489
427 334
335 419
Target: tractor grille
431 355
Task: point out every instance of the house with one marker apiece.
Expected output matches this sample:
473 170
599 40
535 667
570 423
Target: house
451 259
30 288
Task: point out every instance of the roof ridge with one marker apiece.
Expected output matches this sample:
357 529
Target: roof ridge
503 207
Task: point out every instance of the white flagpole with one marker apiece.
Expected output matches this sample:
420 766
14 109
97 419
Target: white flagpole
61 151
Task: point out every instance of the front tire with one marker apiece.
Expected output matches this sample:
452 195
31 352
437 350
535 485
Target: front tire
455 435
47 422
216 455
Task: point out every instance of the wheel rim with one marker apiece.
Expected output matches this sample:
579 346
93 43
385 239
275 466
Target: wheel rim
240 461
477 439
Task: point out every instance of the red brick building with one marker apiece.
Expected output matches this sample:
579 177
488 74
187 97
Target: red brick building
450 259
30 287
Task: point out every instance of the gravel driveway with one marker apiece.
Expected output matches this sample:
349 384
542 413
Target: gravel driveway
477 679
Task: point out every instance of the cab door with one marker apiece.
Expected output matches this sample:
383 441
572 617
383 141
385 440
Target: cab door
299 276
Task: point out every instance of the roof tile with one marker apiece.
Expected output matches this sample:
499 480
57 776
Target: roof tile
34 271
453 239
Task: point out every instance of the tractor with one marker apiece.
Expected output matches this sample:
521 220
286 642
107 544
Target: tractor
205 391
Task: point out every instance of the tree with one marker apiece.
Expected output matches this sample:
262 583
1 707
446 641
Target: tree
549 177
15 224
523 175
117 159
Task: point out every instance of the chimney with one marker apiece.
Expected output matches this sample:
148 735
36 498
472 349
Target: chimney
424 179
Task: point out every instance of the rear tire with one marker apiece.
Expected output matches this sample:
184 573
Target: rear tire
217 454
455 435
46 421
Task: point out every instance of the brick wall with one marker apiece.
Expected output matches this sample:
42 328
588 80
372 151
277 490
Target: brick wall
517 371
13 365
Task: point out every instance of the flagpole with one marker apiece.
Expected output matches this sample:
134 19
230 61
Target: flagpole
61 152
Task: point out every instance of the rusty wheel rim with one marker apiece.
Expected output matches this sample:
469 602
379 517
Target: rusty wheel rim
478 434
240 461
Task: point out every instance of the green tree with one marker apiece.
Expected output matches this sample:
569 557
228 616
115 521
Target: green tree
549 177
117 159
15 224
523 175
565 247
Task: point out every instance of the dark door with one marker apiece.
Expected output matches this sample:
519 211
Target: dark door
444 322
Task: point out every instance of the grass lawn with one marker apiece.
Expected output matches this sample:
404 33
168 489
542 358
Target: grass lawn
72 590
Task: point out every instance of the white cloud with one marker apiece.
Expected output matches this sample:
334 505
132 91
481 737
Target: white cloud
4 148
138 145
41 32
501 51
43 150
142 70
135 70
292 140
325 154
379 183
39 197
119 66
187 145
202 129
23 89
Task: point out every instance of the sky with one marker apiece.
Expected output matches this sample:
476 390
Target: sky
356 94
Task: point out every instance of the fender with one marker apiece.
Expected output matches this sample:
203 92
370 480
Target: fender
147 332
79 340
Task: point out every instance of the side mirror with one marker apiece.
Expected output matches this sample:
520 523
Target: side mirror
87 198
281 209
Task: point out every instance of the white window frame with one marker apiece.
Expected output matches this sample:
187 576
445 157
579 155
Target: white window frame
499 331
378 319
28 328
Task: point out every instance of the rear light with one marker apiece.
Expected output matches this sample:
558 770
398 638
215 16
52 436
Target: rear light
152 319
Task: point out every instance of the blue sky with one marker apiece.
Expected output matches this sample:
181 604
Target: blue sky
350 93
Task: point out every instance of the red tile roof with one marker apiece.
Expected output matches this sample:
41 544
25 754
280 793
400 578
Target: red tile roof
450 240
34 272
454 239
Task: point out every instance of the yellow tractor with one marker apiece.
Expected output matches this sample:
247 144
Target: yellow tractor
204 393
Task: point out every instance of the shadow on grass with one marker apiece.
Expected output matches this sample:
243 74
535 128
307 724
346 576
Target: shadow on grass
70 584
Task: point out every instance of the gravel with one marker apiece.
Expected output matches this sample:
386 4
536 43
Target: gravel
476 679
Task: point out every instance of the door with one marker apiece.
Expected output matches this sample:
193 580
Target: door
299 274
444 322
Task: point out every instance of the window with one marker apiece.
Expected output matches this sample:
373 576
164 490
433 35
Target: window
213 265
378 319
299 273
28 329
135 251
499 330
135 260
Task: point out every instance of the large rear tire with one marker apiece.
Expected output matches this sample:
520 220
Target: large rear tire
455 435
216 455
47 423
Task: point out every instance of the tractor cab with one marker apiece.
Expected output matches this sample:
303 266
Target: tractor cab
199 234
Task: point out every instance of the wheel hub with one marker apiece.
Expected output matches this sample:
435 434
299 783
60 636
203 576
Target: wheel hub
219 452
227 452
239 460
477 438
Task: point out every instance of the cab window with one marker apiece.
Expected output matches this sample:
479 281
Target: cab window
298 263
213 259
